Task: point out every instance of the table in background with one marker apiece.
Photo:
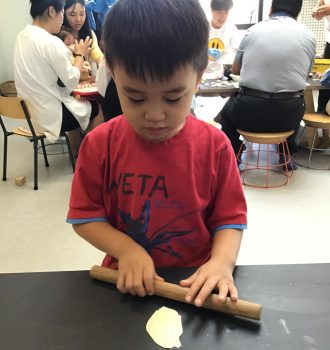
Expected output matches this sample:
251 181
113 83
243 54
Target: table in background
67 310
232 88
90 93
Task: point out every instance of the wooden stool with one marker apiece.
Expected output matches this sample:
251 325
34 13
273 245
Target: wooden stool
246 152
315 121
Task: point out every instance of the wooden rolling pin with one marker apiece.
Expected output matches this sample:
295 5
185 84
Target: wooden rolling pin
172 291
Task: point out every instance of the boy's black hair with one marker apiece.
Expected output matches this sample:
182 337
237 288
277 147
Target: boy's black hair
292 7
221 5
155 38
38 7
85 29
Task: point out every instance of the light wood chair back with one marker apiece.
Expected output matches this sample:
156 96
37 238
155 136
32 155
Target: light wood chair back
13 107
16 108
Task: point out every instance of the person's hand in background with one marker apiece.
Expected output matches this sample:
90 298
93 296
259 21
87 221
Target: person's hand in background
83 47
85 72
321 11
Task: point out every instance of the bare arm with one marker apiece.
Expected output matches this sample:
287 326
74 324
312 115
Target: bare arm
135 266
324 10
217 273
236 68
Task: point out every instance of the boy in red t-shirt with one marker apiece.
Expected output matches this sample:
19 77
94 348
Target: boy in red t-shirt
157 187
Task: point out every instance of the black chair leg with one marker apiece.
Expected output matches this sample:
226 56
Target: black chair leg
44 152
35 155
73 163
5 147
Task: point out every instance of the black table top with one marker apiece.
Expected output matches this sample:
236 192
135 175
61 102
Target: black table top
68 310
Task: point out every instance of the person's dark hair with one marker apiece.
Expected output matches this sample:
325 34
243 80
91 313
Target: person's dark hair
156 38
38 7
64 32
221 5
85 29
292 7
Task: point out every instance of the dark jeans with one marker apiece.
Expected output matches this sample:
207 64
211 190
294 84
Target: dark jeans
69 122
256 114
324 95
111 105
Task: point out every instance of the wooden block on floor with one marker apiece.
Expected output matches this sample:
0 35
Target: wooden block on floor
20 180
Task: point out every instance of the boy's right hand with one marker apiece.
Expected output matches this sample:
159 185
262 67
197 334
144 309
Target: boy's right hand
136 271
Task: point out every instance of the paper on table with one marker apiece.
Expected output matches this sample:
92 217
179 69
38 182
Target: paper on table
86 90
165 328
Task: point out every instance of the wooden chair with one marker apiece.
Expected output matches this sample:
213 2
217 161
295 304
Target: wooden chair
250 157
16 108
315 121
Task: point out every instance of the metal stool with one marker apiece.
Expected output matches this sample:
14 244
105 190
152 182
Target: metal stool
251 157
315 121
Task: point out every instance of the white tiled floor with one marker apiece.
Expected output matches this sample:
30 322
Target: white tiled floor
286 225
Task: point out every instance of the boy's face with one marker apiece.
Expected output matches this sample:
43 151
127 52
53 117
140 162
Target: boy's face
219 18
157 110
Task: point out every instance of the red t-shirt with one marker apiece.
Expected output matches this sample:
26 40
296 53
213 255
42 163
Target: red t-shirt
170 197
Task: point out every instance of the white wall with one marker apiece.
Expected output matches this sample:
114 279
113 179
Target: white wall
14 15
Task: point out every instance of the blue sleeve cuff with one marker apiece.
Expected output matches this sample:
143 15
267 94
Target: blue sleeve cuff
85 221
234 226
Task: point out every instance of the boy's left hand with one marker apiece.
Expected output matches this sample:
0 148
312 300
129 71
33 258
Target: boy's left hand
208 277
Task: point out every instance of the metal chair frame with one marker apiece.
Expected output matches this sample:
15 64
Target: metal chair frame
266 139
321 122
34 138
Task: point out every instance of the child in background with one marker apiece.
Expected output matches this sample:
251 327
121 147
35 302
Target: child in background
157 187
67 37
223 39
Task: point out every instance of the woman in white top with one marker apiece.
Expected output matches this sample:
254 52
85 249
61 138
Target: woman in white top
75 19
40 61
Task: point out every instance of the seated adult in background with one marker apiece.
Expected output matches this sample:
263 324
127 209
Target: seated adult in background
223 39
75 19
40 60
274 60
111 107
